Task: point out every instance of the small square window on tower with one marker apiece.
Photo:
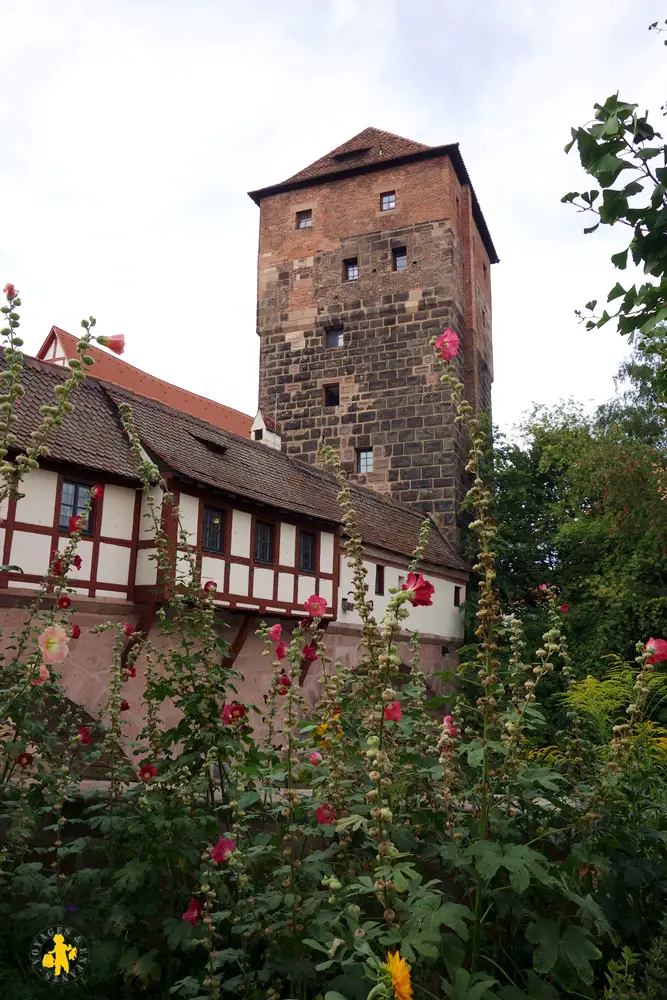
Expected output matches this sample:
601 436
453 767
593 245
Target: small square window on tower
334 338
400 258
388 201
351 269
332 395
364 460
304 220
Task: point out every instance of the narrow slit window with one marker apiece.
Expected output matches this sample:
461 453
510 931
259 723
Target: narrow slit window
334 338
457 597
264 534
379 580
213 530
364 460
331 395
304 220
73 500
307 552
388 201
351 269
400 258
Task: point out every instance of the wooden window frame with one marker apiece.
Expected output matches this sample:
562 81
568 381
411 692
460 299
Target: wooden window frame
316 552
223 529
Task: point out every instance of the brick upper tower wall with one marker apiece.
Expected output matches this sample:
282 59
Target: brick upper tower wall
391 397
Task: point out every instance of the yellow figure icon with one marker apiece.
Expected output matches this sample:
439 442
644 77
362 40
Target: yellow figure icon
59 956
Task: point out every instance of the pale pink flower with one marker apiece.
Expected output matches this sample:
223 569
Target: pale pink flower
44 675
53 643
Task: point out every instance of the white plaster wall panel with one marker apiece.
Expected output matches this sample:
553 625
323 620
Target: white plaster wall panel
113 563
305 588
85 550
238 578
287 544
23 585
2 540
3 508
188 509
118 595
326 552
146 571
31 551
38 504
184 568
241 523
262 584
286 587
325 590
146 529
213 569
118 512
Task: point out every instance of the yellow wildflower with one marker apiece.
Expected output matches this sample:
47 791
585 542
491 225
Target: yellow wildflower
399 970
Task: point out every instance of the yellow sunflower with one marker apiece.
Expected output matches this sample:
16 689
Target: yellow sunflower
399 970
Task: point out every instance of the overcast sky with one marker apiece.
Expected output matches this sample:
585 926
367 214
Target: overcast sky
132 130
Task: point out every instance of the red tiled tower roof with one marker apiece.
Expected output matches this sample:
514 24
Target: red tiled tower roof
113 369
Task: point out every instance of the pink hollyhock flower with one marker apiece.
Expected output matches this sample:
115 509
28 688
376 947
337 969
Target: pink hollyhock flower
222 850
97 491
115 343
564 608
76 562
53 643
280 651
543 587
128 628
421 590
44 675
209 586
64 602
193 913
315 605
448 344
315 758
325 815
658 650
147 771
124 706
393 712
24 759
75 632
275 633
309 654
232 712
9 290
83 733
449 726
76 522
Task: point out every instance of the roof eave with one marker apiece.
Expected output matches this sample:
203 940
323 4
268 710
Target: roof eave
451 150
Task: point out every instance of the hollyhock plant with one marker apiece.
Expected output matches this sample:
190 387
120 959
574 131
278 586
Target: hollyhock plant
315 605
393 712
449 727
275 633
75 632
147 771
10 291
222 850
210 586
64 602
43 677
420 590
24 759
325 815
315 758
280 651
658 650
53 643
193 913
83 733
233 712
115 343
448 344
97 491
309 654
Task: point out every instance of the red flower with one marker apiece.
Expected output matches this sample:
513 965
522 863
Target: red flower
658 650
56 563
325 815
193 913
128 628
64 602
9 290
233 712
393 712
84 734
275 633
76 522
116 343
147 771
76 632
222 850
315 605
209 586
124 706
24 759
421 590
282 690
130 671
309 653
284 680
281 650
76 562
448 344
564 608
97 491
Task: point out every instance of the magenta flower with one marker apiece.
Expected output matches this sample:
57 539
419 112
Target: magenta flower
116 343
280 651
448 344
420 589
315 758
393 712
275 633
193 913
658 650
233 712
315 606
222 850
325 815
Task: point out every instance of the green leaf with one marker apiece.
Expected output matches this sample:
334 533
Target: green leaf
616 291
591 229
545 935
248 799
332 995
620 260
580 951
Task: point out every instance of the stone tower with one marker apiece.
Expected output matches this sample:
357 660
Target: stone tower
363 256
